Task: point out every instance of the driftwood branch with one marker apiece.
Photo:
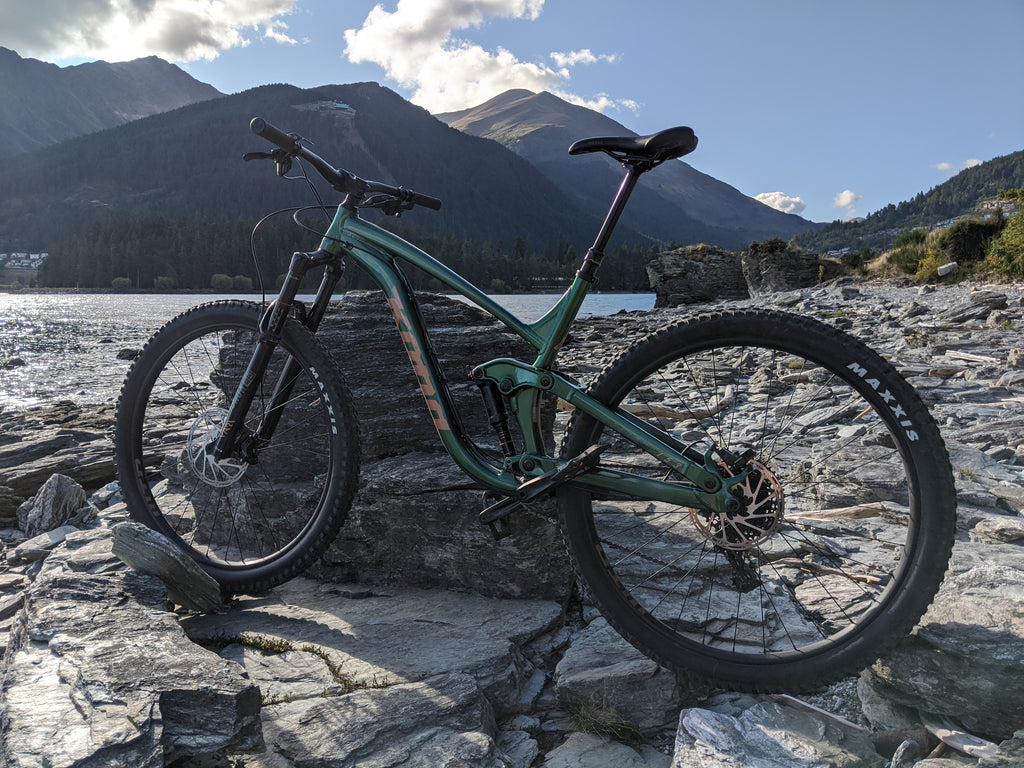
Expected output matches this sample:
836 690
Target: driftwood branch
817 568
960 740
855 512
660 411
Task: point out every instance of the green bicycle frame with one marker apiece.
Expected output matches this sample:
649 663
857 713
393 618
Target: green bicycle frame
377 251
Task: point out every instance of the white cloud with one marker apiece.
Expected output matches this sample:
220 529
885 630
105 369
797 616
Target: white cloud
585 56
417 47
780 201
274 30
116 30
947 167
600 103
846 199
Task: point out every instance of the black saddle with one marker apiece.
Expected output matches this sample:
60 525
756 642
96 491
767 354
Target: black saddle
645 150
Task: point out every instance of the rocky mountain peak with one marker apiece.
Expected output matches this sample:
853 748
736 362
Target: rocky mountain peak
675 202
43 104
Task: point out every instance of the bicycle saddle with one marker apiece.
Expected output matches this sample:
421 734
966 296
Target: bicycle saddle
655 148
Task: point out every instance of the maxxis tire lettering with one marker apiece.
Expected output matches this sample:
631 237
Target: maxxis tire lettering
890 400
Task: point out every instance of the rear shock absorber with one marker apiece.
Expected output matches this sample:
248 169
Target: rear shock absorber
497 414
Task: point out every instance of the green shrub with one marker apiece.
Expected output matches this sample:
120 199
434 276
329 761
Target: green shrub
909 251
928 267
163 283
773 246
968 240
221 283
1006 252
908 257
911 237
121 283
241 283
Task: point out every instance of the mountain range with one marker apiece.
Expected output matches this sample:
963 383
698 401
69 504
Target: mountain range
187 163
42 104
77 152
142 140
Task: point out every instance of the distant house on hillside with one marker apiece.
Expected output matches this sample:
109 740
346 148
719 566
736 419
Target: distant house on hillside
329 107
21 260
19 269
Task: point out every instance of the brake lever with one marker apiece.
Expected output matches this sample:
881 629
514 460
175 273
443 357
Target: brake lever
395 207
282 159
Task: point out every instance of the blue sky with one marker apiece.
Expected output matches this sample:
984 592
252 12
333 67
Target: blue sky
838 108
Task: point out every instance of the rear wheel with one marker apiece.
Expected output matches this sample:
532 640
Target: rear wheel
259 517
848 506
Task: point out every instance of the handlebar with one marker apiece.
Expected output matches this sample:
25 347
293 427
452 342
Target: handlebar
339 179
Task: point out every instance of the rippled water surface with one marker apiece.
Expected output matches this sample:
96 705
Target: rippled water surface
65 346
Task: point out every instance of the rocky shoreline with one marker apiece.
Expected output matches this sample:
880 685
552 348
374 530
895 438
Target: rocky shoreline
420 650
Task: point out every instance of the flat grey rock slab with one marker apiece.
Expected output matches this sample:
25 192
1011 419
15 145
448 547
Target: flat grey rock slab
38 547
97 672
441 721
585 750
393 635
770 735
146 550
604 670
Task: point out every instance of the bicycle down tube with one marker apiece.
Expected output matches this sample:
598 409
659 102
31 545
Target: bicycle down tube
375 250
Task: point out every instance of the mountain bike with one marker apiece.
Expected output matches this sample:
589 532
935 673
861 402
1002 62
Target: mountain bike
749 496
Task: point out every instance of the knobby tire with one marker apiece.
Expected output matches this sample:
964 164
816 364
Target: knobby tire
851 493
253 521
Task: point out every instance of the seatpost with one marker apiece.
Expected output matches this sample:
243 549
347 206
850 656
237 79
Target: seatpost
596 253
586 274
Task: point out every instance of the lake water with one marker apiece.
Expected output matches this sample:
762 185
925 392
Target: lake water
64 346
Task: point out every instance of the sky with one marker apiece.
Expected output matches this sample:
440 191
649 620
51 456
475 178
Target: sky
831 109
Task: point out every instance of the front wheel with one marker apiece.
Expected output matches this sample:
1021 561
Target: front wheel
258 517
847 515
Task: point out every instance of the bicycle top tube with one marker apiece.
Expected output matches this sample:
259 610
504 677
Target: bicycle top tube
360 239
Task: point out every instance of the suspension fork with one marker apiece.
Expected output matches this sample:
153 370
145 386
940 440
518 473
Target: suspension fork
271 325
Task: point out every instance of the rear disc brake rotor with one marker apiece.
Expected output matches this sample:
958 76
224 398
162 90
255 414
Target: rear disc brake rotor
760 516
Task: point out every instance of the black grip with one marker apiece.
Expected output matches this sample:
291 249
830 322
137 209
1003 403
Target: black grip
427 201
261 127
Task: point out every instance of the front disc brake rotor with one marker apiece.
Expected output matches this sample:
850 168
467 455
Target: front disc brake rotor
202 438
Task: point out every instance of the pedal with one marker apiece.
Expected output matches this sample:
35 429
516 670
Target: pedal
495 514
498 524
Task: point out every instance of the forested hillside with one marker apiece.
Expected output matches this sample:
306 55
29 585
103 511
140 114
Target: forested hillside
190 252
957 197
